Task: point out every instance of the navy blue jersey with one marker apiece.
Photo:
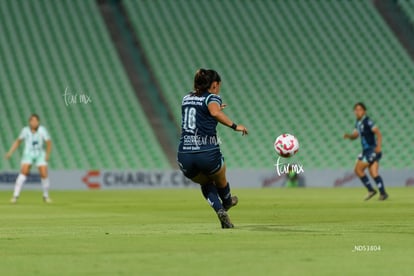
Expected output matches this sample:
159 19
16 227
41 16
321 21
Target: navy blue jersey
364 128
198 127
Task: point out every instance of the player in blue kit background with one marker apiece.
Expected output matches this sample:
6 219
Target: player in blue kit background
199 155
371 140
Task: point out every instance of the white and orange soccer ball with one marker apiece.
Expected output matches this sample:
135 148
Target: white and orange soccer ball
286 145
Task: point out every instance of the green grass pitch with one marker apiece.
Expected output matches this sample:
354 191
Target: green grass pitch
314 231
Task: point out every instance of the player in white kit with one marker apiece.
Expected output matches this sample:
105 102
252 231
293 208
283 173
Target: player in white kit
35 137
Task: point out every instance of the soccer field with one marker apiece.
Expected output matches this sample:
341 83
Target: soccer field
174 232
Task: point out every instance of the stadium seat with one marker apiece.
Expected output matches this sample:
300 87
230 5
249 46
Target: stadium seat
408 7
49 46
287 66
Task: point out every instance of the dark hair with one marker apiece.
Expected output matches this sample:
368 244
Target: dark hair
362 105
204 78
34 115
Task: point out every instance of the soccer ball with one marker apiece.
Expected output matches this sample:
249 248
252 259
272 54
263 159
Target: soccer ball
286 145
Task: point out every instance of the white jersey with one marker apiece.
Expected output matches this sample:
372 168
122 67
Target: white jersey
34 142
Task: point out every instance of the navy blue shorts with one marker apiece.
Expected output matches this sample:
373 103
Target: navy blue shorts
206 162
369 156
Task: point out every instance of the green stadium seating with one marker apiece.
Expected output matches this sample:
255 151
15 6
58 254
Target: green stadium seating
48 46
408 7
287 66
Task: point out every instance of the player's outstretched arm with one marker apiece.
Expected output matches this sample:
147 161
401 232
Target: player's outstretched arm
351 136
216 111
15 145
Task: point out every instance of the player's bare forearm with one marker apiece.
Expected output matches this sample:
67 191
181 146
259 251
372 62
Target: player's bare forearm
48 149
15 145
222 118
216 111
351 136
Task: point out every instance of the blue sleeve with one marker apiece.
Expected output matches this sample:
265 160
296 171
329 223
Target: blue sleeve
213 98
370 124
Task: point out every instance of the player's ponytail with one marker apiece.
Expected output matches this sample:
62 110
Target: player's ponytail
204 78
202 81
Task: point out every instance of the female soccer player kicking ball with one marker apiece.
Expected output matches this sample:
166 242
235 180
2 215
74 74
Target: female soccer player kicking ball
34 136
371 151
199 155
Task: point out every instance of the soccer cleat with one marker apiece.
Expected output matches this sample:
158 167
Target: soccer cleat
383 197
47 199
234 201
370 195
224 219
13 200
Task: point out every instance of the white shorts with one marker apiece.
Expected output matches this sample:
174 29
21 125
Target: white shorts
37 160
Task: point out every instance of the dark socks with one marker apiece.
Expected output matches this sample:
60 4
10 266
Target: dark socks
210 193
225 194
366 183
380 184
